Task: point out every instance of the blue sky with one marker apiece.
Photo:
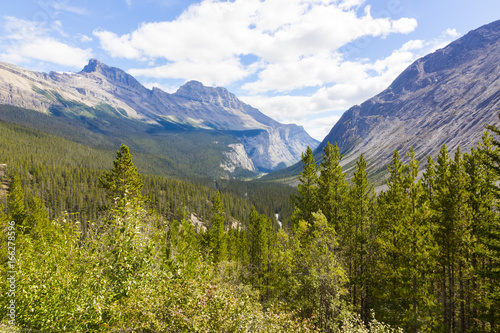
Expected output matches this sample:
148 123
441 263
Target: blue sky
298 61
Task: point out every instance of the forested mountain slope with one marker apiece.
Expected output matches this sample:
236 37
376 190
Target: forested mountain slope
108 101
64 175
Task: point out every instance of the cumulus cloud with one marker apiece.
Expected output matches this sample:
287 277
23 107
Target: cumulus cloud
274 58
354 83
320 126
26 41
225 71
48 50
65 7
117 46
300 41
84 38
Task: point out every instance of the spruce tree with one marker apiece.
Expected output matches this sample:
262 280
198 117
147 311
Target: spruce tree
37 213
406 249
332 190
124 179
392 223
452 220
306 201
216 232
481 199
258 233
15 201
358 237
492 237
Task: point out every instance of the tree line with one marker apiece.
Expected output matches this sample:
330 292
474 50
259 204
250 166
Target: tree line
424 254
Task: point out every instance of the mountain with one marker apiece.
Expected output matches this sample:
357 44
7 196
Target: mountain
446 97
108 101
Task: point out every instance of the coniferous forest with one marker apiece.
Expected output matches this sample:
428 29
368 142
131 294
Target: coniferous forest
89 244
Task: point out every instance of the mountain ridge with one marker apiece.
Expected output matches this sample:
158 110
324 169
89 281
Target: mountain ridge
444 97
268 144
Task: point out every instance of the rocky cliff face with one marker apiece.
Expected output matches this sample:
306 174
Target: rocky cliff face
444 97
267 144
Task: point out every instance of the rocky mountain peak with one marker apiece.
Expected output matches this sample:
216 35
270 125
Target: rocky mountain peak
266 143
113 74
435 67
196 91
444 97
94 65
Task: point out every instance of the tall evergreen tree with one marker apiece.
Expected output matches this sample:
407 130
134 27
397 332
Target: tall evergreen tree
15 201
216 231
306 202
481 199
332 190
37 213
124 179
452 219
358 237
319 273
492 236
406 250
258 234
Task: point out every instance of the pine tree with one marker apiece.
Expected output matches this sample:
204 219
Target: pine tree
217 234
306 202
243 247
358 237
324 278
232 246
406 249
37 213
452 219
492 235
258 233
481 200
392 223
15 201
123 180
332 190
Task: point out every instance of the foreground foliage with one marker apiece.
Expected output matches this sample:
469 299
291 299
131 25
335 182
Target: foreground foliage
421 256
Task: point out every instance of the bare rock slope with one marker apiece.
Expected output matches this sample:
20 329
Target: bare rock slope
443 98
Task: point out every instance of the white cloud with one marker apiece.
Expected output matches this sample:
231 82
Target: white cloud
354 83
212 35
226 72
85 38
117 46
404 25
26 41
63 6
19 29
452 33
444 39
48 50
319 127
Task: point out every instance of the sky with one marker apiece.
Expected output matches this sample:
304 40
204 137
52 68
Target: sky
297 61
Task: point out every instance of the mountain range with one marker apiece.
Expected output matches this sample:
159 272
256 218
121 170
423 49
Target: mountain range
109 102
446 97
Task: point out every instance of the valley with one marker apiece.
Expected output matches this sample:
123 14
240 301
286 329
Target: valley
137 210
